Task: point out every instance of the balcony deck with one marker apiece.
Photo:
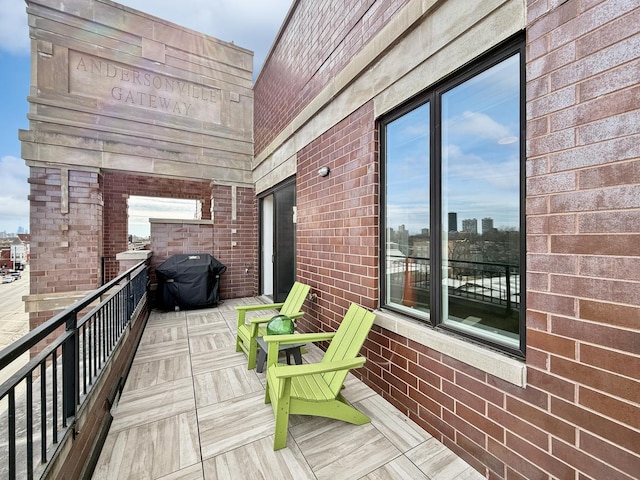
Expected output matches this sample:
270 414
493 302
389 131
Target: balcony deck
190 409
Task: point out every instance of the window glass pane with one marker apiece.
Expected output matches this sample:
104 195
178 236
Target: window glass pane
407 210
481 204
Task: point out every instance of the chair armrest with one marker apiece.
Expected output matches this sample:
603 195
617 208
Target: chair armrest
299 337
266 319
253 308
288 371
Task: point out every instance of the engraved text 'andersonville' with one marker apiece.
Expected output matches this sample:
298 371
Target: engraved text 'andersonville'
148 90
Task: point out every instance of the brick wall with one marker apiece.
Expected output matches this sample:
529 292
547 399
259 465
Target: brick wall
337 223
583 219
235 239
319 40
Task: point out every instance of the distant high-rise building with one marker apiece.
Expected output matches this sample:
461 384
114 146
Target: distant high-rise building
453 222
487 225
470 225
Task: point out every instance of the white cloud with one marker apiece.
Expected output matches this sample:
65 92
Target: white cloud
478 125
14 32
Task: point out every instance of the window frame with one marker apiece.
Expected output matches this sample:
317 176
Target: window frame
433 96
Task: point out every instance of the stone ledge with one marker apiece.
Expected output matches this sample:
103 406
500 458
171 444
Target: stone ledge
498 365
179 220
51 301
134 255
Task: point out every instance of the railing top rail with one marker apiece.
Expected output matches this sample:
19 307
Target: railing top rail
451 260
23 344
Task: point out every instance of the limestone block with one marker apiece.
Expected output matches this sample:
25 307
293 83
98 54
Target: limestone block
153 50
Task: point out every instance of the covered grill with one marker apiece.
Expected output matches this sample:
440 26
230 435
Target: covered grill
188 281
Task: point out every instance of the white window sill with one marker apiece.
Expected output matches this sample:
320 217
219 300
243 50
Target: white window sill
501 366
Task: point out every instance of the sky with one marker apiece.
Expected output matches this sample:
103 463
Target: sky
251 24
480 125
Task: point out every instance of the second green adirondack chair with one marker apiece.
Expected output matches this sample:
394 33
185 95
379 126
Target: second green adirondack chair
314 389
250 329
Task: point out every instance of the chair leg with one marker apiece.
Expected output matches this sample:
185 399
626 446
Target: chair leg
252 354
282 424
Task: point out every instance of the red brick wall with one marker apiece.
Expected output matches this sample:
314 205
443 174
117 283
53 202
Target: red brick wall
235 239
318 42
337 222
583 219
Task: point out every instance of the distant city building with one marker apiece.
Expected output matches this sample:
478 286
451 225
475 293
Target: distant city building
453 222
470 225
403 239
487 225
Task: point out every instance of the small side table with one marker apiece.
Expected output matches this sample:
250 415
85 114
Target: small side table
289 349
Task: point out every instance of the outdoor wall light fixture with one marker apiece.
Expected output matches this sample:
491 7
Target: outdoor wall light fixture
323 172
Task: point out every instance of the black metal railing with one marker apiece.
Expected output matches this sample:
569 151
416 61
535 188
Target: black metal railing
494 283
39 403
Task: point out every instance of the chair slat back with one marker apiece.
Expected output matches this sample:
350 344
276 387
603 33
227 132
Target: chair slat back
295 299
347 342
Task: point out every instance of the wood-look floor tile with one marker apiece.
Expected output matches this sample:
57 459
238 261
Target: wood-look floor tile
338 450
440 463
400 468
145 405
217 359
258 460
163 333
161 317
234 423
206 323
151 373
158 351
211 341
404 433
224 384
199 317
194 472
152 450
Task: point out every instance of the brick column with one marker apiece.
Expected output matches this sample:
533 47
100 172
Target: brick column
66 239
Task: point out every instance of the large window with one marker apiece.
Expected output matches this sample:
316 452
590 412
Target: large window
452 203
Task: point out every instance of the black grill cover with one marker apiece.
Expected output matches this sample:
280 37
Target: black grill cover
189 281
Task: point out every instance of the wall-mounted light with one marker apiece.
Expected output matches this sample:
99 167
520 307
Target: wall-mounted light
323 172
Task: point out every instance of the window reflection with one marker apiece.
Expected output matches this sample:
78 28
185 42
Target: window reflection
407 209
481 203
472 259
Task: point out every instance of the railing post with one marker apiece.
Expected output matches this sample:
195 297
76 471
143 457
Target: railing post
70 368
130 300
508 277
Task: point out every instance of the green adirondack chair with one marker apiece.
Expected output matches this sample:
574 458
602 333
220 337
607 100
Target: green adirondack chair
314 389
250 329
